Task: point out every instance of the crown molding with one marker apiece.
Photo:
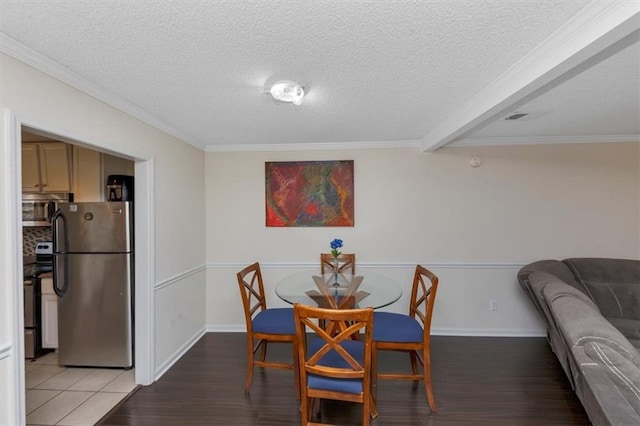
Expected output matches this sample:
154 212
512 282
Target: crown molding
34 59
543 140
320 146
594 31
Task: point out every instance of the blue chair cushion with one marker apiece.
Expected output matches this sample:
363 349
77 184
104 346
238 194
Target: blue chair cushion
275 321
333 359
390 327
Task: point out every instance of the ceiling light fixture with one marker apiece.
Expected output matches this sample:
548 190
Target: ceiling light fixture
287 91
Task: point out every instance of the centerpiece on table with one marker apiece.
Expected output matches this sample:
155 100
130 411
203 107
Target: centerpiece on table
335 245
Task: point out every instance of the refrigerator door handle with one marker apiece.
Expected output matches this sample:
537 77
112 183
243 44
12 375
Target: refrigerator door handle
60 277
54 229
57 276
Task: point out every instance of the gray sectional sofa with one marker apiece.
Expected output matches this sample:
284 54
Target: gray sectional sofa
591 307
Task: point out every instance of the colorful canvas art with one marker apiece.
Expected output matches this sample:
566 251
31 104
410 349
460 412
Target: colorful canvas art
309 193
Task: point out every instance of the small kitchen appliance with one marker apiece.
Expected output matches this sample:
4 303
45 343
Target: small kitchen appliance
37 208
119 188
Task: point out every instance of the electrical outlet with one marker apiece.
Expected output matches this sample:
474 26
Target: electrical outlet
493 305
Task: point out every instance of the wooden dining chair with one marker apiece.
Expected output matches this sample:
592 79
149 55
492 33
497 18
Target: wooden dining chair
334 365
264 325
410 333
346 263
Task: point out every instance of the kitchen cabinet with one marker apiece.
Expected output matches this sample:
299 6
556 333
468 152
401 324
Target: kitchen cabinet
46 167
87 172
90 171
49 307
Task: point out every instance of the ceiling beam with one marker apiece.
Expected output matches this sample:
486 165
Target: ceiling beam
583 41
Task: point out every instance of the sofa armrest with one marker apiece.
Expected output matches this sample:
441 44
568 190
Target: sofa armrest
606 402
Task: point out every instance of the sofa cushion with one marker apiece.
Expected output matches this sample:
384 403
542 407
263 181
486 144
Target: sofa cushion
614 284
630 328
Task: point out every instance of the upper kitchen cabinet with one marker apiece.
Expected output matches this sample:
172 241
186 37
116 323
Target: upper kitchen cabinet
46 167
87 172
90 171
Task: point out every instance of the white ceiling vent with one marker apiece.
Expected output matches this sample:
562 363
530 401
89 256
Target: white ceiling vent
524 116
516 116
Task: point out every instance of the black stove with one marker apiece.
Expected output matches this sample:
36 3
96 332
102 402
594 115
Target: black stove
33 268
36 269
41 263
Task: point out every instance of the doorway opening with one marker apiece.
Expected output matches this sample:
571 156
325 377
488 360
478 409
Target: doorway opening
70 174
143 327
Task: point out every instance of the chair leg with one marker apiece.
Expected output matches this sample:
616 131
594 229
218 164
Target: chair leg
414 363
263 350
247 383
374 408
374 381
315 409
305 410
427 379
366 411
374 372
296 373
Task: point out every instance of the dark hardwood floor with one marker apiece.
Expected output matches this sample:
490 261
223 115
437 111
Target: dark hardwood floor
476 380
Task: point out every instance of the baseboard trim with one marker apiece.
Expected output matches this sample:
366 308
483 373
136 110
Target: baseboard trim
471 332
213 328
179 353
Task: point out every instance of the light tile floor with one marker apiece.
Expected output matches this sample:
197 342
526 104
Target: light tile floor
57 395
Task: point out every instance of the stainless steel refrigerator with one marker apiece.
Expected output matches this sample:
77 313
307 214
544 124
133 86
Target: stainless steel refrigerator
93 277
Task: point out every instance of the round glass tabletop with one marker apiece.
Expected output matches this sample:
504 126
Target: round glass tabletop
342 291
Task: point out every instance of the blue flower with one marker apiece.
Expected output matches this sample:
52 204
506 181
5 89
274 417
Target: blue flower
335 245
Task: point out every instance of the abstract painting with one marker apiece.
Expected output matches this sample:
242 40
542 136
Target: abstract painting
309 193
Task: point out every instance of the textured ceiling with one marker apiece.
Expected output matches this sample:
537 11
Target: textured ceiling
603 100
376 73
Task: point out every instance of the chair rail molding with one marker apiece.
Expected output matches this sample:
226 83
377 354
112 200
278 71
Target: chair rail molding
447 265
179 277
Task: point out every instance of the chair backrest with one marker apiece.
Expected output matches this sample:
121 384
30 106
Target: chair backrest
346 262
252 291
342 331
423 297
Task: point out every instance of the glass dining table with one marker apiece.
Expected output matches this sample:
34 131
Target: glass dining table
339 291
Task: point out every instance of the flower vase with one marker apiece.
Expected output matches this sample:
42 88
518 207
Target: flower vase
335 271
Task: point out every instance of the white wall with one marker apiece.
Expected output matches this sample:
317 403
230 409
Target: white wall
176 173
475 227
